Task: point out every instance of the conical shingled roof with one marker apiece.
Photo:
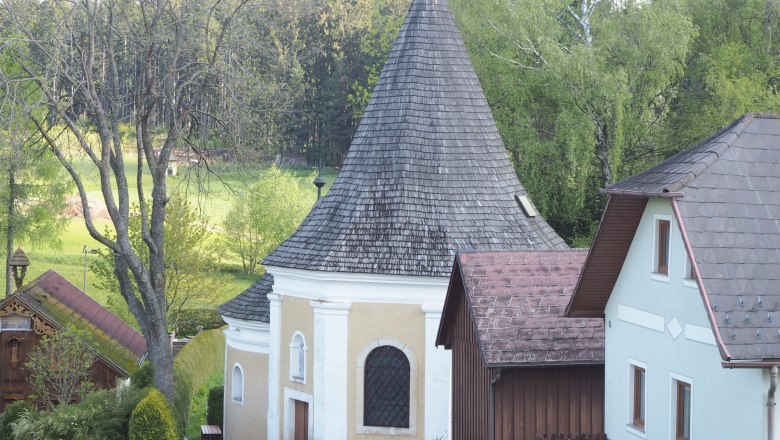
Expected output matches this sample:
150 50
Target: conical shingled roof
427 172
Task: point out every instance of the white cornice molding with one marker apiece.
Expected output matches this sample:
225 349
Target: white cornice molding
346 287
249 336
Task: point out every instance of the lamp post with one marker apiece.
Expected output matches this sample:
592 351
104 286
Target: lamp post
86 251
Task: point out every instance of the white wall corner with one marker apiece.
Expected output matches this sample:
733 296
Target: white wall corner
330 369
437 378
275 334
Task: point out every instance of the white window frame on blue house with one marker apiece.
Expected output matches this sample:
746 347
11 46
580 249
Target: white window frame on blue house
654 271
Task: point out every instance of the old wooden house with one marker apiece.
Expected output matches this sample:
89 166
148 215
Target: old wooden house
520 370
47 305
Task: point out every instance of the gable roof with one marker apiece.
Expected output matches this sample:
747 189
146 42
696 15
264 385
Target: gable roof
725 193
63 303
426 174
516 301
252 304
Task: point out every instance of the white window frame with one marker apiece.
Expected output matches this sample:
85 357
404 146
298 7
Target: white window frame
654 274
237 392
674 379
360 390
298 358
630 426
689 281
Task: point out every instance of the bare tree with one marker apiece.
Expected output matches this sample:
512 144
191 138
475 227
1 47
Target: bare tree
101 66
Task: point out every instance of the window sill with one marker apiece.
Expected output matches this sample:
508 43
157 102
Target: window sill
298 380
690 283
638 431
659 277
383 430
237 402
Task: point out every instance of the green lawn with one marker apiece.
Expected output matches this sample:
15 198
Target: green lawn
213 194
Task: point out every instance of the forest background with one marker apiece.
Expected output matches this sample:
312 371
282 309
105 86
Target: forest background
584 93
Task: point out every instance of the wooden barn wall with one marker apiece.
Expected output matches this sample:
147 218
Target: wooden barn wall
470 380
13 376
547 400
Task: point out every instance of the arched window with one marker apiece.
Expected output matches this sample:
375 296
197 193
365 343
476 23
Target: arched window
238 384
298 358
386 393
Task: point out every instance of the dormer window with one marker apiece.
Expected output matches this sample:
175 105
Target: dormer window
662 239
298 358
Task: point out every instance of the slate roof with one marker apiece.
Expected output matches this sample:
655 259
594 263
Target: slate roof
727 192
426 174
517 301
251 304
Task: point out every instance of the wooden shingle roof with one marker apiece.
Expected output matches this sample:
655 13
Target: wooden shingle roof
252 304
516 300
426 174
725 193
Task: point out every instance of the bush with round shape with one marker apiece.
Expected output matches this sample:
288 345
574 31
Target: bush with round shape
152 419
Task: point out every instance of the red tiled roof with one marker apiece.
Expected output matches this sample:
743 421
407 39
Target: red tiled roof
517 301
71 296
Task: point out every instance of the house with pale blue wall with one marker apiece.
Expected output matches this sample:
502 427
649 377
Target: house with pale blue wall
685 271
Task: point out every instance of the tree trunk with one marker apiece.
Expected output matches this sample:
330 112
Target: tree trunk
602 150
9 234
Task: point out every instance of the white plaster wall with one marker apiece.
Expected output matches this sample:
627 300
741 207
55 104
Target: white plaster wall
726 404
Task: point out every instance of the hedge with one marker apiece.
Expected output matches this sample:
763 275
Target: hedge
152 419
216 403
192 368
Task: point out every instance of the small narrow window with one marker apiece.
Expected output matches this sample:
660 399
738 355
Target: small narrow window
662 247
638 397
238 384
689 275
683 412
298 358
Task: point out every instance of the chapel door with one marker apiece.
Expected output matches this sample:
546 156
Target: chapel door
301 420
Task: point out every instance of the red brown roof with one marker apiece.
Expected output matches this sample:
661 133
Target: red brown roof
517 301
64 292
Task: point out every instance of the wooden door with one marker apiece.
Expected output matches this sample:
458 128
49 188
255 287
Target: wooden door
301 420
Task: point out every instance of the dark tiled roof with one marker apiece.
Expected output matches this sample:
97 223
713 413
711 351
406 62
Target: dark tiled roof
251 304
52 285
728 195
517 300
426 174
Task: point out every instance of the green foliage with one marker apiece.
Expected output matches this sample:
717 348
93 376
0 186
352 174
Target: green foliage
152 419
192 368
192 320
58 367
12 413
278 205
201 404
102 415
578 106
216 404
143 376
189 261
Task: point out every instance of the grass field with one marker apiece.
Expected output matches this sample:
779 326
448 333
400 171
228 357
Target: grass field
213 194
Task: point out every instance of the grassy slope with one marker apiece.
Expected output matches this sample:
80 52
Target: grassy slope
214 200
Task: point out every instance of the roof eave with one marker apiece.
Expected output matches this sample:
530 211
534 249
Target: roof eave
545 364
641 194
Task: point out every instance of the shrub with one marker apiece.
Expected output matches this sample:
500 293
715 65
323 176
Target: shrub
142 377
102 415
191 319
11 414
214 411
152 419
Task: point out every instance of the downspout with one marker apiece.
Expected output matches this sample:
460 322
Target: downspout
492 405
770 403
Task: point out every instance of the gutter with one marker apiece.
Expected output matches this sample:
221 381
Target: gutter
770 404
492 405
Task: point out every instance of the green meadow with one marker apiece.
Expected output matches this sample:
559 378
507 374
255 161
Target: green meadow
212 192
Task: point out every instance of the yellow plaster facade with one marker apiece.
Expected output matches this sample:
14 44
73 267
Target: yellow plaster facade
247 420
